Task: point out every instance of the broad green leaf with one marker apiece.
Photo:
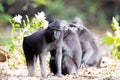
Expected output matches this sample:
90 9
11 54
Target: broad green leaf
108 40
118 41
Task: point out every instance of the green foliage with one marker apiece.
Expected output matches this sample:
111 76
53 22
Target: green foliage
4 17
114 39
1 8
4 41
101 19
39 2
54 7
10 2
59 9
87 9
72 11
14 43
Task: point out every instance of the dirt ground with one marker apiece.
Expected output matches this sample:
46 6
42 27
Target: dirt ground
110 71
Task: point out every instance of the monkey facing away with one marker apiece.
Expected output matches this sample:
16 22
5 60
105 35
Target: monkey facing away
91 57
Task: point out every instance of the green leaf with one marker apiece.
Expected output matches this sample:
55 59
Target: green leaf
28 20
12 47
31 29
17 25
115 24
39 2
118 55
118 41
108 40
24 24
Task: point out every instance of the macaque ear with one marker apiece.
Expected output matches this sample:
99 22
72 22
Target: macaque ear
77 22
75 27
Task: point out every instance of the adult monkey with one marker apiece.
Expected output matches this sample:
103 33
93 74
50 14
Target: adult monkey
90 52
42 41
71 53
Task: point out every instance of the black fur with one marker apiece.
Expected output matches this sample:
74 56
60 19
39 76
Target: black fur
42 41
71 54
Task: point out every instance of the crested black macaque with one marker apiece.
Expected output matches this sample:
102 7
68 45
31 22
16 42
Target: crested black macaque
71 54
42 41
91 57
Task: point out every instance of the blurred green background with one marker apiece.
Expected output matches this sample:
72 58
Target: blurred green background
97 13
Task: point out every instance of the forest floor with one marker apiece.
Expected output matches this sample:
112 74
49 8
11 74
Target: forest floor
110 69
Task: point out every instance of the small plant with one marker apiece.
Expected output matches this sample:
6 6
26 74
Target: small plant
21 28
114 39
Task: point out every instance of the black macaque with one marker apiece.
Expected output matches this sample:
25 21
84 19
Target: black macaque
91 57
71 53
42 41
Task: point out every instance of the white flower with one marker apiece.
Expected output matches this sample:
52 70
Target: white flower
45 24
17 18
40 16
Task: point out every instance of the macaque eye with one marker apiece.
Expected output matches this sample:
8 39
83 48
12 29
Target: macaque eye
73 25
